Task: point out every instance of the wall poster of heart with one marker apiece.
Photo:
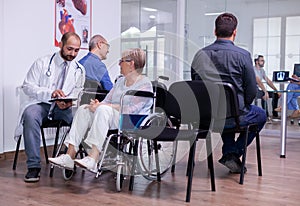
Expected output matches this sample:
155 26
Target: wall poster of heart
73 16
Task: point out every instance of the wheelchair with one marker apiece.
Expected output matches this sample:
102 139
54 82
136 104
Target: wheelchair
117 151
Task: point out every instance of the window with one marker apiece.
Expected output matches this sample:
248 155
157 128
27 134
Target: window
267 41
152 25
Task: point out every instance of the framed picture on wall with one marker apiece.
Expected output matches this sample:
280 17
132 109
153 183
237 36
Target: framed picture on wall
73 16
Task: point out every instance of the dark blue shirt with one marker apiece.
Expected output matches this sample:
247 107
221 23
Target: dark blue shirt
223 61
95 69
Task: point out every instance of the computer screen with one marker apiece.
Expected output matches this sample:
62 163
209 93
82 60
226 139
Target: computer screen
281 76
297 69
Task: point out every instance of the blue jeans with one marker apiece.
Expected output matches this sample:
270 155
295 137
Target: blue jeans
230 145
34 116
292 102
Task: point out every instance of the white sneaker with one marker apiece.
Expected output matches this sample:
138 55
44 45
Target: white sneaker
86 163
63 160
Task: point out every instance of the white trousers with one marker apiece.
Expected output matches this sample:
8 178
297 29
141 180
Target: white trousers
92 127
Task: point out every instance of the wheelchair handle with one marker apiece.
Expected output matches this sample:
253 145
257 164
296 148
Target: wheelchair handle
163 77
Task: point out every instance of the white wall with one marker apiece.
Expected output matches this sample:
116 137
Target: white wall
26 33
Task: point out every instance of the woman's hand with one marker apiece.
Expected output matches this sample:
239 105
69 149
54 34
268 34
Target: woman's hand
93 105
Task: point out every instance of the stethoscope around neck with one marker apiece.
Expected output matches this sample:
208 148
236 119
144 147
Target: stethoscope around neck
49 73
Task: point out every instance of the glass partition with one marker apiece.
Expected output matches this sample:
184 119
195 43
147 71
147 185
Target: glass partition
151 26
266 27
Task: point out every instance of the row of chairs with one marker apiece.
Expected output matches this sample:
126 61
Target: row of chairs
192 103
196 104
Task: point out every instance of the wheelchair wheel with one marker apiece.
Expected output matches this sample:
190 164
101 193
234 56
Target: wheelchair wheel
146 157
120 177
68 174
166 150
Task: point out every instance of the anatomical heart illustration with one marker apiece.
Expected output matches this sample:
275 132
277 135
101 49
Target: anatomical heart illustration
73 16
80 5
66 22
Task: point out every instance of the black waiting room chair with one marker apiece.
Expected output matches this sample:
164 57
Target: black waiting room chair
228 93
57 124
194 103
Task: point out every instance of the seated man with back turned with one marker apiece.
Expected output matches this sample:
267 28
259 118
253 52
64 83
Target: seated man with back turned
262 92
223 61
92 62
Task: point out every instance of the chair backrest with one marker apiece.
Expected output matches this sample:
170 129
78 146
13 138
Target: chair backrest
230 108
92 90
85 96
193 102
160 90
89 83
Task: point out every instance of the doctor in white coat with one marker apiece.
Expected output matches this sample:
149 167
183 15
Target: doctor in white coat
52 76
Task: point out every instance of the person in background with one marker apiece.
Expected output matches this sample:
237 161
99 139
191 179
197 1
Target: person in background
223 61
92 62
99 117
292 98
52 76
262 92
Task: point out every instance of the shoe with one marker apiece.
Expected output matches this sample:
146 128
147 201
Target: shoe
33 175
88 163
269 120
64 161
232 162
238 172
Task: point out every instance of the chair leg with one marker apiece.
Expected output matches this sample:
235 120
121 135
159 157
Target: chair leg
190 160
44 145
55 147
56 139
258 154
244 158
174 158
190 172
17 153
210 162
82 153
157 160
135 148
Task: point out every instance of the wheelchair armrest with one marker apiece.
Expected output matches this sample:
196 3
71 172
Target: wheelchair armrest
139 93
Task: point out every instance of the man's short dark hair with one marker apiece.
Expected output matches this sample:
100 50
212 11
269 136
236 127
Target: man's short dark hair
256 59
225 24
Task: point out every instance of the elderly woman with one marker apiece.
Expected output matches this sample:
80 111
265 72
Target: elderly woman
99 117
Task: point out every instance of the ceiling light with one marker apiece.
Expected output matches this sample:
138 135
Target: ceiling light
213 13
152 17
149 9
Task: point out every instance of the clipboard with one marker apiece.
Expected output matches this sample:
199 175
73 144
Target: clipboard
65 99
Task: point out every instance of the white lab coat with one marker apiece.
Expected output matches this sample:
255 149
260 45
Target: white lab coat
38 87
